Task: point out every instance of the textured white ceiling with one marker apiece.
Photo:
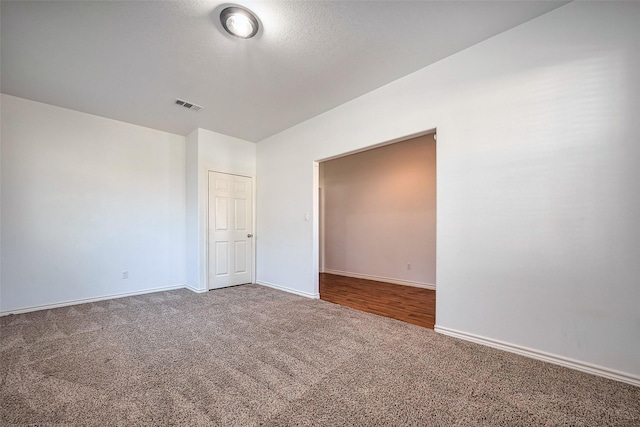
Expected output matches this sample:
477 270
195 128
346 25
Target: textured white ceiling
130 60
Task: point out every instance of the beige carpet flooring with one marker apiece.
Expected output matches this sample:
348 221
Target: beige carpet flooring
250 355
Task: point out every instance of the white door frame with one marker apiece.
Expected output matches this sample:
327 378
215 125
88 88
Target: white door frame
205 176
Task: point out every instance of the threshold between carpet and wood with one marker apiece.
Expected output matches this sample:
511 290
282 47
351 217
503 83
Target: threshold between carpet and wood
251 355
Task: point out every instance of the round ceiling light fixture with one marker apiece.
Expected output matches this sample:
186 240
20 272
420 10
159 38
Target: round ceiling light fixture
239 22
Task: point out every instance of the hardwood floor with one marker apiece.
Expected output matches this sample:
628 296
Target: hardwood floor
406 303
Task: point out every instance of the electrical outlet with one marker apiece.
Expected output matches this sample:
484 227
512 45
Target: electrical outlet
125 274
408 266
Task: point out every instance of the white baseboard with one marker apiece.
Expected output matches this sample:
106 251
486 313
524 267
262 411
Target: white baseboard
546 357
196 290
382 279
86 300
291 291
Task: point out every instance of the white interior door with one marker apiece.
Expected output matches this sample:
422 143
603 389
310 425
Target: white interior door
230 230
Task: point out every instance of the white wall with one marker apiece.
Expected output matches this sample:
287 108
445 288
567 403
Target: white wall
380 213
192 258
209 151
83 199
538 241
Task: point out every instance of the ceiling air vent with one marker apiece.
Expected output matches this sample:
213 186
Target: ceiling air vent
189 105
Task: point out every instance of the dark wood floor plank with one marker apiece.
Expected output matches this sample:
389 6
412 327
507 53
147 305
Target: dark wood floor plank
406 303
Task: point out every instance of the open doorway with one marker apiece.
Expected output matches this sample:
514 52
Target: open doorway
377 230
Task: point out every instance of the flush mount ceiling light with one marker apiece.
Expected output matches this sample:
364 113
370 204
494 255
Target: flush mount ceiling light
239 22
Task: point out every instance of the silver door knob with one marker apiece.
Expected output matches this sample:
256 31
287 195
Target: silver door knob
249 235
